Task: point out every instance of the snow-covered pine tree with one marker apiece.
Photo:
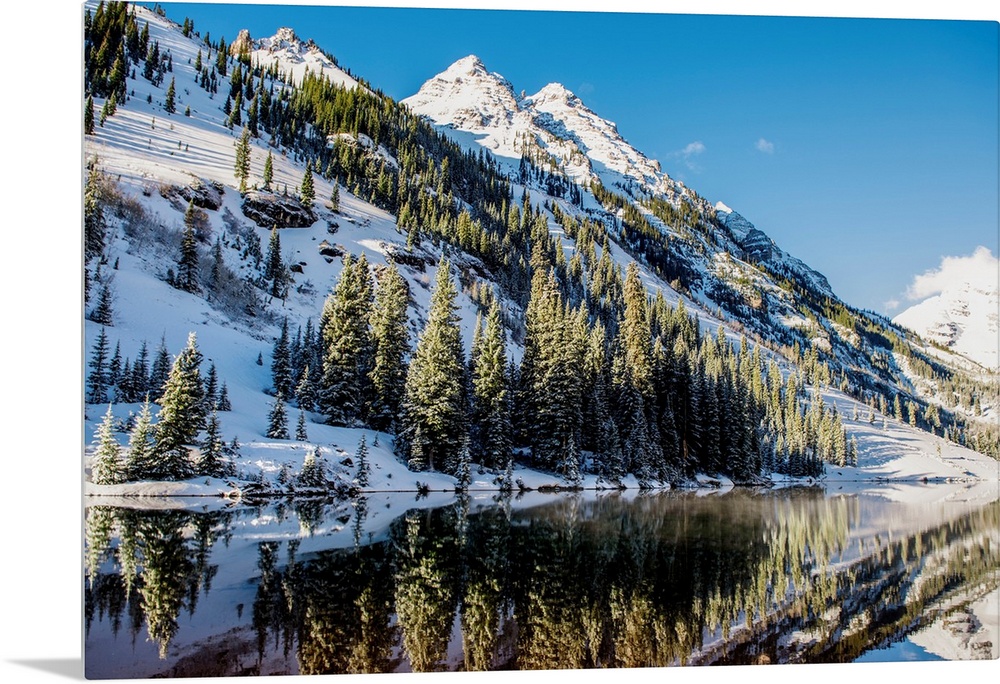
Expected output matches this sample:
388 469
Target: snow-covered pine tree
433 417
347 344
138 460
106 467
571 464
94 221
311 476
277 419
305 391
210 461
300 428
463 472
182 414
364 468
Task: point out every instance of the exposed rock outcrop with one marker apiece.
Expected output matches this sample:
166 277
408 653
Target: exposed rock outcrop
268 209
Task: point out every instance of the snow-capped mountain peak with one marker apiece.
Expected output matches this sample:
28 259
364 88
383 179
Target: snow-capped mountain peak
556 92
291 55
284 37
467 66
466 96
963 314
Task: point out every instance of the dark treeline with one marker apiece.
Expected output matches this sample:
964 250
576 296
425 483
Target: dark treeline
649 396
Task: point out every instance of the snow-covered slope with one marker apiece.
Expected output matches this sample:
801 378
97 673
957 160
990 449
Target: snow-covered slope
964 315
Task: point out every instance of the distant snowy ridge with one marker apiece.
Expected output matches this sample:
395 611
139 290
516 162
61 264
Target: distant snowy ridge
965 315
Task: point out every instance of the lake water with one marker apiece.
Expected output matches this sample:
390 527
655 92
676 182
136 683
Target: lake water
391 583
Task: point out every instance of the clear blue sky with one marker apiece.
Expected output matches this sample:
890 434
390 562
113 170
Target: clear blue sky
866 147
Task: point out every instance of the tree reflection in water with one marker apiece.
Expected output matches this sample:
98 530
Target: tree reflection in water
652 581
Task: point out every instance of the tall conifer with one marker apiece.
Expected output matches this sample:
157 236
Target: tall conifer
390 346
182 414
433 417
347 344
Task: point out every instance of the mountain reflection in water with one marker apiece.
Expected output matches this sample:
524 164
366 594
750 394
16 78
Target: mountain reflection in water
577 581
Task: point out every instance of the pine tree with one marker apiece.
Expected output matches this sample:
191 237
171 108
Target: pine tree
307 193
463 472
223 403
187 264
138 461
550 385
94 222
311 476
347 344
335 197
106 466
103 313
210 460
390 344
169 104
97 380
491 426
300 428
274 269
139 382
433 417
242 167
281 366
571 464
635 337
305 392
88 116
268 171
211 388
182 414
160 371
277 419
364 469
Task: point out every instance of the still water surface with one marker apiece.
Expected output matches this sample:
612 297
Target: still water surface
390 583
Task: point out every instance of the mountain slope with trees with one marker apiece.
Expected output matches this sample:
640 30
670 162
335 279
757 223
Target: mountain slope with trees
316 252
